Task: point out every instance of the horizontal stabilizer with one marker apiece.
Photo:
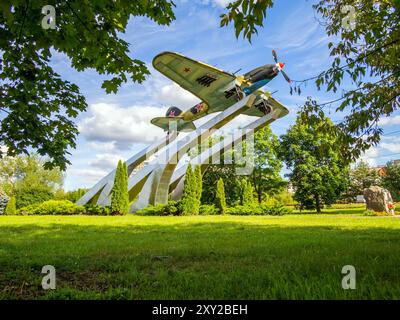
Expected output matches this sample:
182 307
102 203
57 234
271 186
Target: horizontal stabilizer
181 125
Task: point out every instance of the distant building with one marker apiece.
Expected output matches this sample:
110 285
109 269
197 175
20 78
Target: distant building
382 170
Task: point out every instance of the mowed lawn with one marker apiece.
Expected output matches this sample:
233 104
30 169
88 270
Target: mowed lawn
202 257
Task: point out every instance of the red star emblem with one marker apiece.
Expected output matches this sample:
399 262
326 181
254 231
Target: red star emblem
187 70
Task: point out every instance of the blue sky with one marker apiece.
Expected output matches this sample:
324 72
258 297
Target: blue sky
118 125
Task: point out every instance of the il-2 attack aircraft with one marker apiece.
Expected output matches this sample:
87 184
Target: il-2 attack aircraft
217 89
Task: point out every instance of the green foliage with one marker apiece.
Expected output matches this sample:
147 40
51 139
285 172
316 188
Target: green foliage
246 16
266 177
361 177
96 210
220 197
357 52
63 207
119 193
199 181
11 208
259 210
372 213
75 195
39 106
211 176
52 207
248 193
27 172
276 210
173 208
367 56
391 180
243 210
284 197
208 210
190 198
318 172
27 196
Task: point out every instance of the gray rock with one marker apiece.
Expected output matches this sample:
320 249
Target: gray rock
378 199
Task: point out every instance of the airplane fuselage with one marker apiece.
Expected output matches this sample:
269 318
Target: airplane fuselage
249 83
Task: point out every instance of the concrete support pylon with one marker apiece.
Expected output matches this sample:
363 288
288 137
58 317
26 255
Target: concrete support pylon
164 172
203 159
100 192
156 188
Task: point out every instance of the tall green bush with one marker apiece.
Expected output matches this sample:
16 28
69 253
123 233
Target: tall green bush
53 207
119 194
11 208
190 198
248 194
199 181
220 197
32 195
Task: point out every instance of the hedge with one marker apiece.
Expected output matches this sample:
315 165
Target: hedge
63 207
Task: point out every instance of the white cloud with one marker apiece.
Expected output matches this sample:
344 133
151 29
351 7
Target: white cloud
370 156
389 121
219 3
86 177
173 94
392 147
106 161
123 126
102 146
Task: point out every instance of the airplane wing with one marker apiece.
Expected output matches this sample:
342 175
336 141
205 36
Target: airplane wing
204 81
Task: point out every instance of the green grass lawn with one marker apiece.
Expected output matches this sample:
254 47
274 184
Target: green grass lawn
202 257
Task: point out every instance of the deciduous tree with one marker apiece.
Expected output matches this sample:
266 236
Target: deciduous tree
391 180
318 172
266 177
361 177
365 52
37 106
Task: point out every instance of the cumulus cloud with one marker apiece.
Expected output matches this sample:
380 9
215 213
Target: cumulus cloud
370 156
86 177
392 147
102 146
173 94
122 127
390 121
106 161
215 3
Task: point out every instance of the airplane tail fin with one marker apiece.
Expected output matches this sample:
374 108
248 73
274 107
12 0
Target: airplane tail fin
181 125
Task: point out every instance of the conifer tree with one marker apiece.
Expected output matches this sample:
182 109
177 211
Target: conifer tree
248 194
11 208
189 198
119 194
199 183
220 196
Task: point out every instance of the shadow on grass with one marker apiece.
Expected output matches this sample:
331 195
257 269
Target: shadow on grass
223 260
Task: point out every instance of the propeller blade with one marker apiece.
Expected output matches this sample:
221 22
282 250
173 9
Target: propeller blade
286 76
275 55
